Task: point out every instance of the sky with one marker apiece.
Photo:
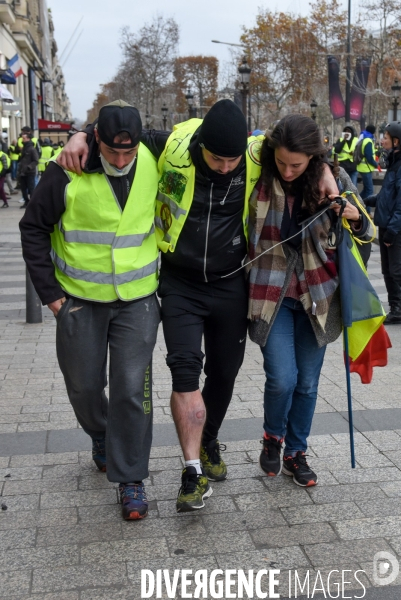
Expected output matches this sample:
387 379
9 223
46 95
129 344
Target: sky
95 58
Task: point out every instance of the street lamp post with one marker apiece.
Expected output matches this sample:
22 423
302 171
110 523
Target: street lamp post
164 112
396 94
313 107
147 117
244 71
190 101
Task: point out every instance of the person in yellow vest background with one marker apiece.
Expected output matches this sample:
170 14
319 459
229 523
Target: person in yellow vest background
344 148
207 173
90 247
47 153
4 167
14 156
365 160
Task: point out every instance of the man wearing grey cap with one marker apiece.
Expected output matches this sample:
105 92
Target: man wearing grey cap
90 246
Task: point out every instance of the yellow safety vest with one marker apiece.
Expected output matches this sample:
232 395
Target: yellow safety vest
13 154
364 166
47 153
177 183
100 252
20 143
8 159
347 152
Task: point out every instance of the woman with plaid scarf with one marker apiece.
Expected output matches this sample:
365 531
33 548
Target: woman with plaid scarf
294 307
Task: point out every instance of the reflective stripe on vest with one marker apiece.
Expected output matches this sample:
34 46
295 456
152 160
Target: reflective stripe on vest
104 278
100 252
177 183
105 238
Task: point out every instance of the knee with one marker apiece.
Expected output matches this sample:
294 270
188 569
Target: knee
280 387
185 371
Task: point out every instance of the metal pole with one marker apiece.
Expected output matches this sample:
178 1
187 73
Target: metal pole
395 111
249 113
349 397
33 303
348 71
243 92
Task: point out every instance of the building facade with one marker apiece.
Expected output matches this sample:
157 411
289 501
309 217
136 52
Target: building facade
27 31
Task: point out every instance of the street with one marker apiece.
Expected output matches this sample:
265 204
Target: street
61 532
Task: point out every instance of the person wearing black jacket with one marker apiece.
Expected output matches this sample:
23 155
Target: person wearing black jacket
27 168
388 218
201 296
90 247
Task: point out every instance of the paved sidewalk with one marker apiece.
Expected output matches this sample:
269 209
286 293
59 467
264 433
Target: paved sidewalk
62 536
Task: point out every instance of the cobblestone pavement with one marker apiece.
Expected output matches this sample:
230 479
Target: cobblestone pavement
62 536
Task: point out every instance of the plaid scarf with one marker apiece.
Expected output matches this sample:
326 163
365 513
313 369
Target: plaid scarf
316 269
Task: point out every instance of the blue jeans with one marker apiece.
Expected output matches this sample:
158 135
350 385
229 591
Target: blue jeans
292 364
354 177
14 165
367 181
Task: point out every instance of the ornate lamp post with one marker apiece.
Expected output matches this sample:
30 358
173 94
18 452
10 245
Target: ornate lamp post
244 71
190 101
396 94
313 107
164 113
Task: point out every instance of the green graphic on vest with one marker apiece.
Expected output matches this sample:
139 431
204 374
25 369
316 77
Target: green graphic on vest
147 407
173 184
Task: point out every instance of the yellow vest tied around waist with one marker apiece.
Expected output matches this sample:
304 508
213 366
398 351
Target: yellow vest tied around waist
100 252
177 183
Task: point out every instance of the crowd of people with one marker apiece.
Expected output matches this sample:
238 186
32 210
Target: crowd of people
242 223
23 162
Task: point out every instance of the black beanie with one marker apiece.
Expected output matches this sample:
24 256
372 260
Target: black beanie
224 131
370 129
116 117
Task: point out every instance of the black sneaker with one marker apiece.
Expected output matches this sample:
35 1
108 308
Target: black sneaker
394 316
297 468
194 488
99 453
270 456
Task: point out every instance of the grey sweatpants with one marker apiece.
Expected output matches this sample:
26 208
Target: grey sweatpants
85 332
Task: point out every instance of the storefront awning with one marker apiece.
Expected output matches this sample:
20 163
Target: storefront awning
55 126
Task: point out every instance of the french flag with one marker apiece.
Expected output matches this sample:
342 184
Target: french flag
15 66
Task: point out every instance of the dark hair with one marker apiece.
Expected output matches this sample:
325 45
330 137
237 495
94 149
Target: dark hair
122 137
300 134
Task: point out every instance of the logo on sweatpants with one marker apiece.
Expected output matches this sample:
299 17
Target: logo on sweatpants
147 405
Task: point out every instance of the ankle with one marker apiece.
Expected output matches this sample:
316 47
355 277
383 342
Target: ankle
195 463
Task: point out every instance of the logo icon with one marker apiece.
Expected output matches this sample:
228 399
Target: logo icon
385 568
147 407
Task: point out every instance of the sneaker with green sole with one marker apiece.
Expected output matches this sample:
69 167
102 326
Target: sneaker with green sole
214 466
194 488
